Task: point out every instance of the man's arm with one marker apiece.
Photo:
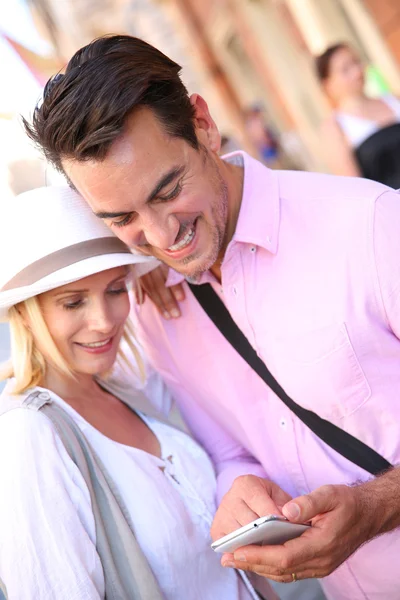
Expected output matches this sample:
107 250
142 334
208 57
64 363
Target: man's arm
230 458
343 517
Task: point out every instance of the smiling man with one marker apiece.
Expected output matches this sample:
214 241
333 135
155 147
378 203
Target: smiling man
180 212
308 267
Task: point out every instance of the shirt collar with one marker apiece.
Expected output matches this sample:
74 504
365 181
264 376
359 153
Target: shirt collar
258 221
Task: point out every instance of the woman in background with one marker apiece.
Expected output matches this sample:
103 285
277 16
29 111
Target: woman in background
362 136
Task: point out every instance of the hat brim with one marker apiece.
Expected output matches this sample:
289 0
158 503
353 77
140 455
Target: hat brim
75 272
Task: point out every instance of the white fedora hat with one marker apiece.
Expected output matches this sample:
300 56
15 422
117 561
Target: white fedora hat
49 238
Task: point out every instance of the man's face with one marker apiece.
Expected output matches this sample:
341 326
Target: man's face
158 194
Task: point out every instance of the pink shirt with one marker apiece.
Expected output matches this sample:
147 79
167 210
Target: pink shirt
312 277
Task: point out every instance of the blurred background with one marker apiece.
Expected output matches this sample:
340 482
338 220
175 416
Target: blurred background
253 61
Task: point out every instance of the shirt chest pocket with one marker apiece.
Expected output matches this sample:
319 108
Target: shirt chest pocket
320 370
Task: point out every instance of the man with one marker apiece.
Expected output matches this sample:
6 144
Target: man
308 266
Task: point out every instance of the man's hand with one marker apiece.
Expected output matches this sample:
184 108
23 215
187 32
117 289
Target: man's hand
165 298
249 498
343 518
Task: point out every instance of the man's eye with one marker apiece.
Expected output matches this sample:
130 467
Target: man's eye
124 221
175 192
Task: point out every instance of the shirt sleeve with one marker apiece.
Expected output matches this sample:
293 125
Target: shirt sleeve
47 540
230 458
386 248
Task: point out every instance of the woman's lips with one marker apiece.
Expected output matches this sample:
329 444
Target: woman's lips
97 347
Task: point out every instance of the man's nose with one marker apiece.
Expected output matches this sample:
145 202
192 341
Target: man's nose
160 233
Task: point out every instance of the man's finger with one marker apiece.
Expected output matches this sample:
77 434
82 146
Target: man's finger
289 577
280 558
169 305
222 526
153 284
233 517
274 558
256 493
178 292
305 508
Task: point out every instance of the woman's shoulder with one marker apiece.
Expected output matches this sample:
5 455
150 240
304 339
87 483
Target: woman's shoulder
33 454
24 402
23 428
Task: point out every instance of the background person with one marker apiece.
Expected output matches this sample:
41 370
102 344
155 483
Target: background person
362 136
262 137
64 290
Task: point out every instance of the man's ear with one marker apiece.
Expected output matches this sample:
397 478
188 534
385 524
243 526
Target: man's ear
206 129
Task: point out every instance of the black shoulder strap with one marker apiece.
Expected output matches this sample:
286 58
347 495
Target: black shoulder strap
338 439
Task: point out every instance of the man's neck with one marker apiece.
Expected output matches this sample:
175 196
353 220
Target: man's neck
234 177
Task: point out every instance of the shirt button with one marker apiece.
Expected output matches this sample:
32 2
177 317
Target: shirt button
282 423
252 249
268 239
44 396
234 291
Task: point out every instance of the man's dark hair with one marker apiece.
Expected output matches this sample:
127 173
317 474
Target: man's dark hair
323 61
85 109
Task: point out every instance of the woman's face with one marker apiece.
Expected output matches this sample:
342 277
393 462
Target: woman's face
346 75
86 319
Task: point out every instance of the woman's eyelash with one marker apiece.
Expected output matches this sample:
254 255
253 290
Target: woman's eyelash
72 305
78 303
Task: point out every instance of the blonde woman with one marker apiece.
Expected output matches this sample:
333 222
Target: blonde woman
82 438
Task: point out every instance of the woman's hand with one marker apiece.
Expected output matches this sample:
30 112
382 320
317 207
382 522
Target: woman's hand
165 298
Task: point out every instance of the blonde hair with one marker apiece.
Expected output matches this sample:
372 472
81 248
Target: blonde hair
28 365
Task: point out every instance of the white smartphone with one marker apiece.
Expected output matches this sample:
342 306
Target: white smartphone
268 530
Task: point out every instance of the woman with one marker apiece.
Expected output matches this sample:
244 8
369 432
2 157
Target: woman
362 136
64 290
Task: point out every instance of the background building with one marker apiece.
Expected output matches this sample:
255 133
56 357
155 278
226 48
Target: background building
244 53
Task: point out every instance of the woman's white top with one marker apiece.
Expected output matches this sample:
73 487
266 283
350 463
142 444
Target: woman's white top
357 129
47 530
